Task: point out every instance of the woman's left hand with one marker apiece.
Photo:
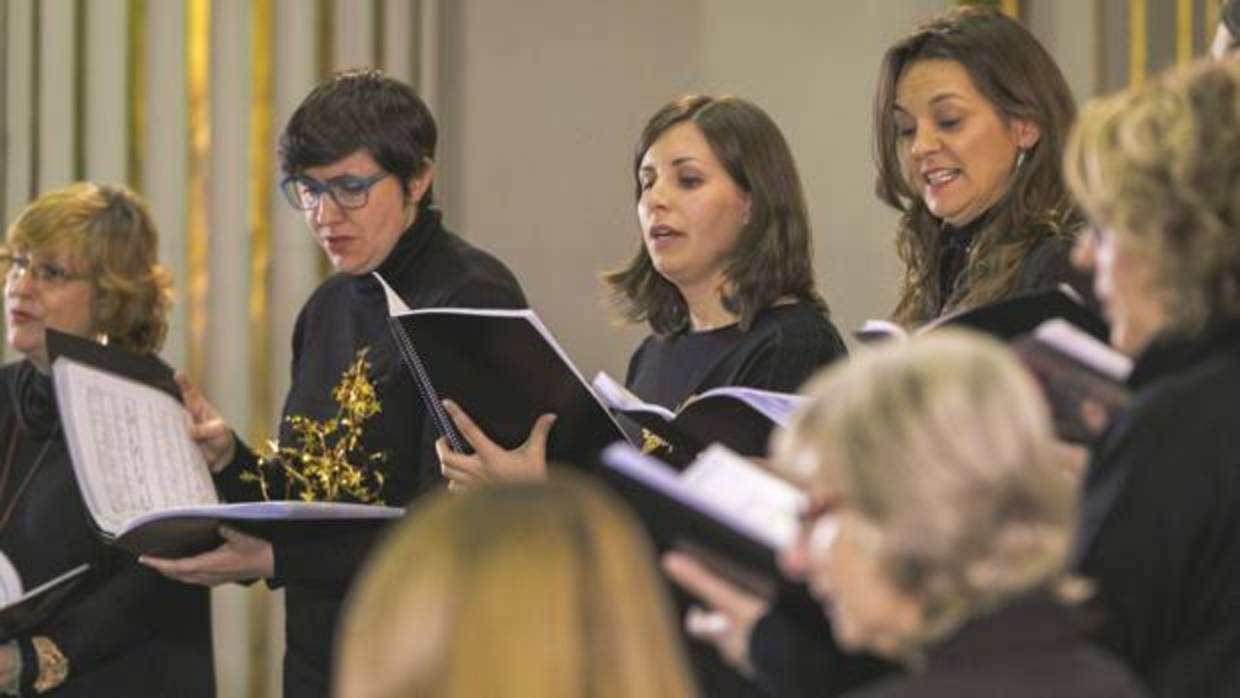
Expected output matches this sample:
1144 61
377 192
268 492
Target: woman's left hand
241 558
490 461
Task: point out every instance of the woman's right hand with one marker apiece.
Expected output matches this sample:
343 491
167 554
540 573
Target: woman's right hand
212 434
489 460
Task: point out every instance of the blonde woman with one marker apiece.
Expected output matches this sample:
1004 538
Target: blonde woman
947 525
535 590
84 260
1157 169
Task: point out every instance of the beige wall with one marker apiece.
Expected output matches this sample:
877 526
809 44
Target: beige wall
540 105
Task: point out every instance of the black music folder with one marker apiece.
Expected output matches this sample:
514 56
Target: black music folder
141 476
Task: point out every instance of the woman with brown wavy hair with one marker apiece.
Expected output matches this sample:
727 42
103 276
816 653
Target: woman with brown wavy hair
723 275
970 118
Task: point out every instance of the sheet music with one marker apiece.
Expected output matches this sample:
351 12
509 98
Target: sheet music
777 407
130 444
755 496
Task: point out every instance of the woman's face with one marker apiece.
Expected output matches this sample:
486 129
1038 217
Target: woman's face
1224 43
867 612
1124 284
956 150
690 209
42 291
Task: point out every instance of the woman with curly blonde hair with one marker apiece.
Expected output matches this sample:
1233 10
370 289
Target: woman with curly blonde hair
83 260
1157 170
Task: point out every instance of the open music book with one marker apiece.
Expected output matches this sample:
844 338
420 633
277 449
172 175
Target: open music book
1005 319
740 418
505 369
22 610
726 511
142 477
1074 369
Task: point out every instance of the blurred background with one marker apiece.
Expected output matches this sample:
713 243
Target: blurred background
538 102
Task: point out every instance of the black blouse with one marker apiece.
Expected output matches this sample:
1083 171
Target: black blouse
125 630
430 266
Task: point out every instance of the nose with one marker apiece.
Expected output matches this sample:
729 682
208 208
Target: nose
327 210
19 282
1084 251
794 560
925 141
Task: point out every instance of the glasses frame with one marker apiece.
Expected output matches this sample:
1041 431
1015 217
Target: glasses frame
43 274
331 187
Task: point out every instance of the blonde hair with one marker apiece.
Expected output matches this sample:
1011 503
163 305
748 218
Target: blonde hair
108 230
1156 164
534 590
943 448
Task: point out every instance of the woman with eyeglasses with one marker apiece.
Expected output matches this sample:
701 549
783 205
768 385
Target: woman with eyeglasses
83 260
358 155
946 524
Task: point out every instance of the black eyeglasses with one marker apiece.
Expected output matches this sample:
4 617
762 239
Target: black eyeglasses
15 266
304 193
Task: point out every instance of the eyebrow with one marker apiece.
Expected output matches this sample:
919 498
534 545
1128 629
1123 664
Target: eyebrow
941 97
674 163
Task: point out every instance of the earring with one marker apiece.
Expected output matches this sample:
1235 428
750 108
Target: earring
1020 158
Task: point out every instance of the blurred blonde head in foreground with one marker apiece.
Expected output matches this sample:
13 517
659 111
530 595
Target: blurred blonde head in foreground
945 496
538 590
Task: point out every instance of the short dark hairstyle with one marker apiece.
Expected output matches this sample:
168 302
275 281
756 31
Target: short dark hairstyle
361 109
773 257
1020 79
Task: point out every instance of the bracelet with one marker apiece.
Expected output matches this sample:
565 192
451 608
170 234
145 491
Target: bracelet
53 665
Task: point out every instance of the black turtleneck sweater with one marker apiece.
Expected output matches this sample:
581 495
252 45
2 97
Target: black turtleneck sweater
1160 528
125 630
429 267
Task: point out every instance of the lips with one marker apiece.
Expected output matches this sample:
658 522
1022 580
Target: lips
662 235
939 177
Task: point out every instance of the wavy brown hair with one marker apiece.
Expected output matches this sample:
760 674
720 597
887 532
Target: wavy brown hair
1021 81
108 230
774 253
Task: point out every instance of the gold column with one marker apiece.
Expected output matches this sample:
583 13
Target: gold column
1183 31
1137 51
136 67
261 149
79 90
198 54
1011 8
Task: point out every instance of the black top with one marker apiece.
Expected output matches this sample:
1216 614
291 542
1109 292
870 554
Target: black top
1031 648
430 266
1046 266
1160 528
126 630
785 346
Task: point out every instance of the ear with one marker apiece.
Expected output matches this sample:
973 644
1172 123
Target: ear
748 207
1025 133
420 183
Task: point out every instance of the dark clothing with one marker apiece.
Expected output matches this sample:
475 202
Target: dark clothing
429 267
793 652
1046 266
125 630
1160 530
1029 649
783 348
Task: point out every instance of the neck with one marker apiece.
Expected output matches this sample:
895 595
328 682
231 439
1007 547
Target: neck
706 310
